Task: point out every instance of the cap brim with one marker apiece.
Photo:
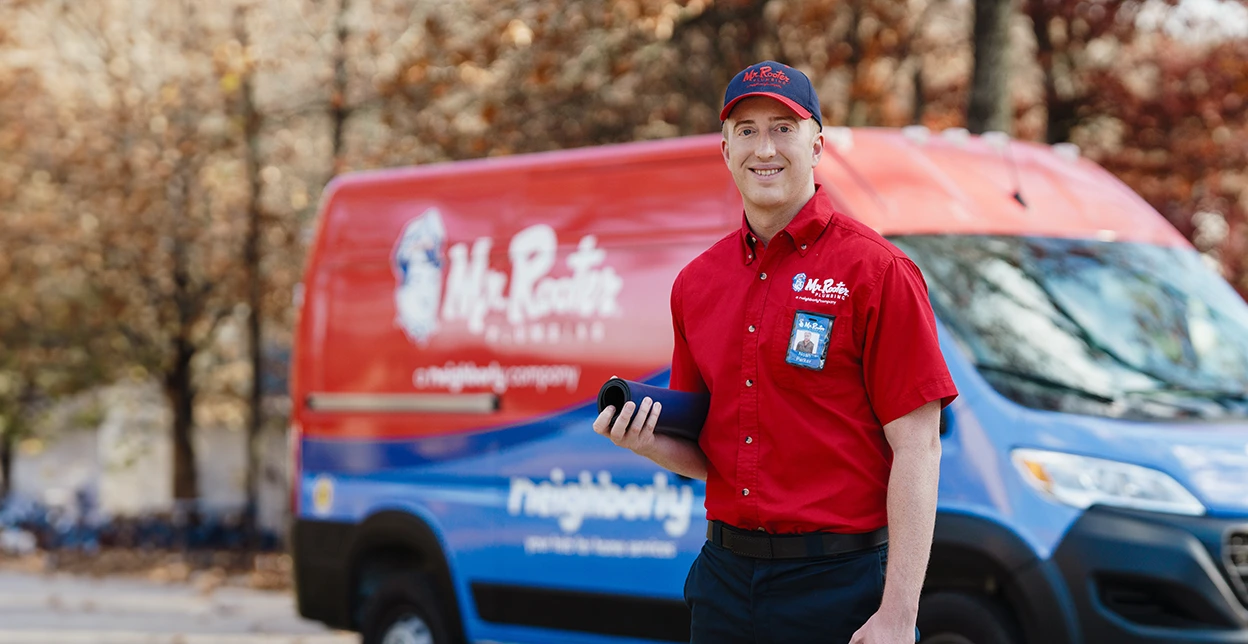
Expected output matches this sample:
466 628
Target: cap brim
788 102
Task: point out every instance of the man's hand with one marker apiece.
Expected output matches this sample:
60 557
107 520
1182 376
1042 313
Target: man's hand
885 628
678 455
634 433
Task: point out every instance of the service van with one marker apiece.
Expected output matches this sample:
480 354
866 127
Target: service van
458 320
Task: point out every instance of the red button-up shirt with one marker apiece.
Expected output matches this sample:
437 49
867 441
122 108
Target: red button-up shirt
808 347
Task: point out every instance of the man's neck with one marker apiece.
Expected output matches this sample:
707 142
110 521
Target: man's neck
768 222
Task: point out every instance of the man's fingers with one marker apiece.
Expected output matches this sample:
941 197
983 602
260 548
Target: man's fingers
653 419
620 428
629 427
645 435
604 420
643 412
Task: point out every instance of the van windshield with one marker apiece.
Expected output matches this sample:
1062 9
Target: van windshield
1123 330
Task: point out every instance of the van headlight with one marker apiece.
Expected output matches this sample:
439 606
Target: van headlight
1082 481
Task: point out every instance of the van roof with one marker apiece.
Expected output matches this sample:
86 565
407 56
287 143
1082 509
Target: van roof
899 182
914 182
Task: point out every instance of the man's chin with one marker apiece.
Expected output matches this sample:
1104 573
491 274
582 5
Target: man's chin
768 199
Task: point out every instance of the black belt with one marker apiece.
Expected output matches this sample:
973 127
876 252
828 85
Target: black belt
762 545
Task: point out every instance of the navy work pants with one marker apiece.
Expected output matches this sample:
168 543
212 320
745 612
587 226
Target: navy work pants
822 600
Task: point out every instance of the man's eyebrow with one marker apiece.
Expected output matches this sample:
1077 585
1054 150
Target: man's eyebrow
774 119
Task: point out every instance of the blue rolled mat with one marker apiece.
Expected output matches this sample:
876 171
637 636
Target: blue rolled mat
683 413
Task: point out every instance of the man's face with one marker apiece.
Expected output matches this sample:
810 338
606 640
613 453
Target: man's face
770 151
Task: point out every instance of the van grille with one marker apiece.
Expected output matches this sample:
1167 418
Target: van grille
1159 602
1235 555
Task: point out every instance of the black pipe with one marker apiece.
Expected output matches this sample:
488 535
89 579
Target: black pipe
682 415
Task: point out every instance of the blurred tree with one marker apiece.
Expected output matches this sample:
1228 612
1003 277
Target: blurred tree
45 350
147 156
988 108
476 78
1173 124
251 121
339 110
1076 43
1163 110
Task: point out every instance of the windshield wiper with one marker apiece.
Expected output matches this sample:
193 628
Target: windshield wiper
1217 395
1045 382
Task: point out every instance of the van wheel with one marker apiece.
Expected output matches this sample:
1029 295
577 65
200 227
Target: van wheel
403 611
961 618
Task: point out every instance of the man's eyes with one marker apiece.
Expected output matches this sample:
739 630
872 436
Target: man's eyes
784 128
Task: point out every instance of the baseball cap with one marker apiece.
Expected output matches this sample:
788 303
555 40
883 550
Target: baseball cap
775 80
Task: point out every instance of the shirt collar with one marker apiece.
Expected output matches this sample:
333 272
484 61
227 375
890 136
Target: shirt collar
804 229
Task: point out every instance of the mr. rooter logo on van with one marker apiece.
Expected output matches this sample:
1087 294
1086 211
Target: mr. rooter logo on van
524 300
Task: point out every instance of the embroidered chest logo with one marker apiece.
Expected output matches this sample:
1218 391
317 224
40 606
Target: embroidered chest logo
821 291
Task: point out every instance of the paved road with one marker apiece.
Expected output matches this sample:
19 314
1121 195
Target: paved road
62 609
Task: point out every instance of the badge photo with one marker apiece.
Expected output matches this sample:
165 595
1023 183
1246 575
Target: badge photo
808 340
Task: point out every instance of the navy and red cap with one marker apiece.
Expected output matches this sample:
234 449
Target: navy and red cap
774 80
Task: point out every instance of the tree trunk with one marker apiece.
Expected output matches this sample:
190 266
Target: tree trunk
255 290
856 108
989 103
1061 114
6 462
920 96
338 96
181 395
14 428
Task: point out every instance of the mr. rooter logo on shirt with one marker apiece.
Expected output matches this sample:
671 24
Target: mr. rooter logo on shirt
515 306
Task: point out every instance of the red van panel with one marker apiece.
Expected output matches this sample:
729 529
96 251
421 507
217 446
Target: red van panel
526 282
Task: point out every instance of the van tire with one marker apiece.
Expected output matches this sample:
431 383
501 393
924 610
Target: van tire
962 618
404 603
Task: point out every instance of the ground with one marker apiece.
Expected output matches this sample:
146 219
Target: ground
121 597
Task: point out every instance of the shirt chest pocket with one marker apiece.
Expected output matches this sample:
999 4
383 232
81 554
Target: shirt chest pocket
809 345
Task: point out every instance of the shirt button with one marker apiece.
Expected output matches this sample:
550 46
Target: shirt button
762 276
749 439
749 383
751 328
745 492
803 246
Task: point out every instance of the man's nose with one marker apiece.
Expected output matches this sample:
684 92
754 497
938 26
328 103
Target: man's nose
766 147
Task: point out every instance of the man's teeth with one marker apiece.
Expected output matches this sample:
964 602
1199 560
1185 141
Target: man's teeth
767 173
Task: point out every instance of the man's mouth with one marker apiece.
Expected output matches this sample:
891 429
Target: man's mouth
769 172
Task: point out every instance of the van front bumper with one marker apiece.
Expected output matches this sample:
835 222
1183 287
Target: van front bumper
1148 577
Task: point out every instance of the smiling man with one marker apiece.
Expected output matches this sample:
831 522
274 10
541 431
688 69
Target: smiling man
811 457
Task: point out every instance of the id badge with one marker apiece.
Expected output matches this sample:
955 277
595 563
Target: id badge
808 341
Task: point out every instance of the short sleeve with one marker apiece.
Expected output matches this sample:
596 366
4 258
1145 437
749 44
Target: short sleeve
903 368
685 373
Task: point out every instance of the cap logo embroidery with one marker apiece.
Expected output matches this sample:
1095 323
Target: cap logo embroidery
765 75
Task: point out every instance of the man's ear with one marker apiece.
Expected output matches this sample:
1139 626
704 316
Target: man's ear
817 144
723 147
